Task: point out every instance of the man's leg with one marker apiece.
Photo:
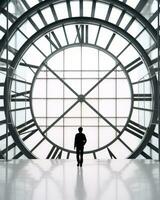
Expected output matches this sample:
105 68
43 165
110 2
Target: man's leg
81 157
77 154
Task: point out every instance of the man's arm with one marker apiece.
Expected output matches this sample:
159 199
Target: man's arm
75 143
84 140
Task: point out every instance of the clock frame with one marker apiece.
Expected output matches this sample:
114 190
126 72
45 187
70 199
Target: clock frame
22 132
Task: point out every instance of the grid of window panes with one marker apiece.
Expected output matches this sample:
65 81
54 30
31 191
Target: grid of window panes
109 97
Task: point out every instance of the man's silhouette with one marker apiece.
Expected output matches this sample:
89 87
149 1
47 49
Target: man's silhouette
79 142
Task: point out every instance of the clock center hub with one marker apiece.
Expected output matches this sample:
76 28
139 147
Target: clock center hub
81 98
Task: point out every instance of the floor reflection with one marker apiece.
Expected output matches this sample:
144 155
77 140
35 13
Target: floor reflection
61 179
80 192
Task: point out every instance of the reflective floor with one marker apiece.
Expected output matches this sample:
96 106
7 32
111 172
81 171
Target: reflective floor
96 180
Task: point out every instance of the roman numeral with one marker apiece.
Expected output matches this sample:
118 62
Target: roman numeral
139 131
22 130
55 152
59 155
68 155
26 126
11 146
29 134
94 155
56 39
111 154
142 97
20 96
82 33
53 43
134 64
136 129
50 153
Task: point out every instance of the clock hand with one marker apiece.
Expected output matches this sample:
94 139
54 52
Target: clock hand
59 118
52 71
108 122
102 79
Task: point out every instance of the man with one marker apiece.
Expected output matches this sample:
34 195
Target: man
79 142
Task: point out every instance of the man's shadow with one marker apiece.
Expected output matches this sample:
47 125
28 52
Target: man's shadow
80 192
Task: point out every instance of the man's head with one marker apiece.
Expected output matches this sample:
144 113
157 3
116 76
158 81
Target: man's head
80 129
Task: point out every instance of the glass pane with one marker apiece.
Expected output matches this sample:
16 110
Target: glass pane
115 14
101 10
39 111
135 28
48 15
104 37
58 8
28 29
37 20
75 8
87 8
117 45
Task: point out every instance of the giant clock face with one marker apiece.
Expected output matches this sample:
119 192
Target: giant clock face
80 69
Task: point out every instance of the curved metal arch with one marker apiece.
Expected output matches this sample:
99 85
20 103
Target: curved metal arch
44 4
135 14
107 25
83 20
12 128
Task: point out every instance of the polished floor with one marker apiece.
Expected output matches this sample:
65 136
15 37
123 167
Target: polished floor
96 180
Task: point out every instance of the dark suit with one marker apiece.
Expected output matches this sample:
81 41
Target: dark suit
80 141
